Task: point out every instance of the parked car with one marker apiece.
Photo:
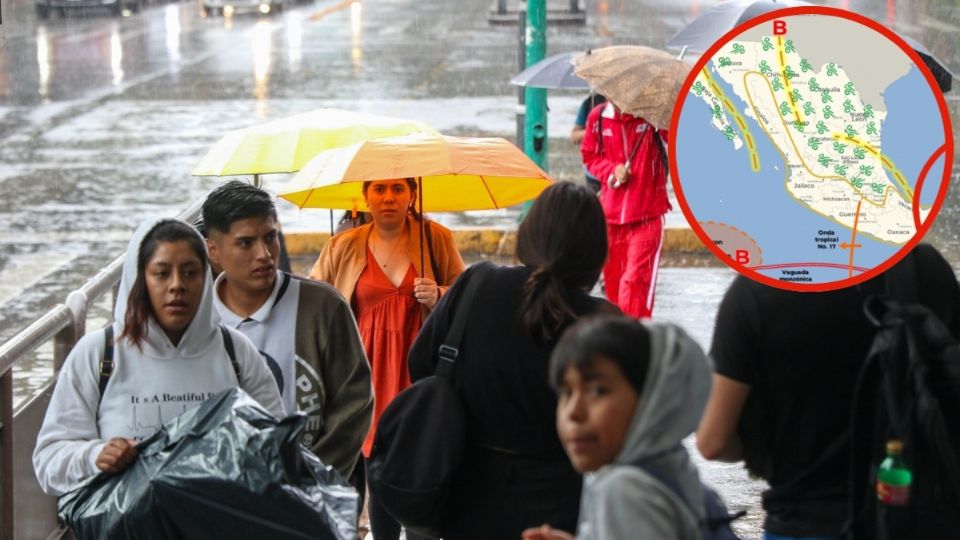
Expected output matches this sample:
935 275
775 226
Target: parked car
230 7
44 7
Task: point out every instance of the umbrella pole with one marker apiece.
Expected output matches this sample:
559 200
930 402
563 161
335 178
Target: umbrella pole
423 269
331 222
256 180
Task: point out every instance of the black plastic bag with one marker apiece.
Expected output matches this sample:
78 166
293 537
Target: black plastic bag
226 469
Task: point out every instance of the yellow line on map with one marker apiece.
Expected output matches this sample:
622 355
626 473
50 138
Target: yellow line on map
737 118
887 162
786 81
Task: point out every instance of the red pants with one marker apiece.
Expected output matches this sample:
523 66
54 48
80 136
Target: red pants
630 275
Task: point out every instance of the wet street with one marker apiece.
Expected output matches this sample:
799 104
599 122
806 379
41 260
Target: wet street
102 119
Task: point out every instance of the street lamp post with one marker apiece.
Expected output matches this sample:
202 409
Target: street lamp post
535 125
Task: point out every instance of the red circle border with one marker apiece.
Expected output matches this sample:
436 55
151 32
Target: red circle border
948 146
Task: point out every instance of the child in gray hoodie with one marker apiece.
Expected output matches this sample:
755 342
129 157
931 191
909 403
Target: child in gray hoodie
628 394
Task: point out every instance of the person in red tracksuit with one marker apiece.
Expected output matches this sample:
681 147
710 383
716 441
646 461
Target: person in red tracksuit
627 155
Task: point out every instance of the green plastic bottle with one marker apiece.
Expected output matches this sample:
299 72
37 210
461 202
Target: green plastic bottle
893 477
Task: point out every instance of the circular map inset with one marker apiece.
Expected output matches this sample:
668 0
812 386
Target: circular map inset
812 149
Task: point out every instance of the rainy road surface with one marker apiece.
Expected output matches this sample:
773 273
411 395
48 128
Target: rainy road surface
102 119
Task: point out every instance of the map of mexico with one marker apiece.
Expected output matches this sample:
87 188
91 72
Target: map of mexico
824 164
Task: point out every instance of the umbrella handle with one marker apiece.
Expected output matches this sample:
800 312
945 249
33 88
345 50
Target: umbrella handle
423 269
420 196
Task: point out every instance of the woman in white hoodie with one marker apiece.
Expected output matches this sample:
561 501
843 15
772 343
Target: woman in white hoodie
169 354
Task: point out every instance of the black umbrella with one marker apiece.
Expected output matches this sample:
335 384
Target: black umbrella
941 73
712 24
552 72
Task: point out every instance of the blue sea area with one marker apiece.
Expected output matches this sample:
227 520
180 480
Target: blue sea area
912 131
720 186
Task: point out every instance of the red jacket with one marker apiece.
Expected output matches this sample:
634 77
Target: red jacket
644 195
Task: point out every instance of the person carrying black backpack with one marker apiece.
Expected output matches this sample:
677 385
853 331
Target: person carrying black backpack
905 426
786 367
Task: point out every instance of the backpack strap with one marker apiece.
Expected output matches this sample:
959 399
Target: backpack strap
106 363
708 521
663 149
228 345
600 133
668 482
284 283
799 483
449 351
646 464
656 135
433 260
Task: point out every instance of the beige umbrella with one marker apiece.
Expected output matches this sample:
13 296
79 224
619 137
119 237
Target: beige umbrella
639 80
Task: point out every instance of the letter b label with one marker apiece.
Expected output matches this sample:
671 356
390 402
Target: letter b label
742 256
779 28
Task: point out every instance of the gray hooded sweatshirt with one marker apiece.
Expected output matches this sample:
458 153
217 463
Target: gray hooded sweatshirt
150 386
621 501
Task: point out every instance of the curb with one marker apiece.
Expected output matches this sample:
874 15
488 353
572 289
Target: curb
493 242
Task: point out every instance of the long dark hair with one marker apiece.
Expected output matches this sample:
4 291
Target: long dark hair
564 239
139 309
620 339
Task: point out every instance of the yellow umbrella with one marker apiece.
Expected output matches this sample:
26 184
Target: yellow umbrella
287 144
455 173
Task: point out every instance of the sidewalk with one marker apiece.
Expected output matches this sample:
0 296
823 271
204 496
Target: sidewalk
681 247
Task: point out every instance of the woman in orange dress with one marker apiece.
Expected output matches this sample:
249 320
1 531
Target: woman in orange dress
377 267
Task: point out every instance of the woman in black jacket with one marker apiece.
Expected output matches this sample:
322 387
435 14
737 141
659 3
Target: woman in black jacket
516 474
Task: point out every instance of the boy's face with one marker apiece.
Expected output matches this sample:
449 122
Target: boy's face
594 410
248 253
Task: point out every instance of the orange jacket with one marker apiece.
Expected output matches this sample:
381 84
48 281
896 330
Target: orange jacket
344 257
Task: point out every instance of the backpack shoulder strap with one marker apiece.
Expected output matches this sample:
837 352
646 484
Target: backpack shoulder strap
433 260
600 133
710 520
668 482
284 283
450 349
106 363
228 345
662 147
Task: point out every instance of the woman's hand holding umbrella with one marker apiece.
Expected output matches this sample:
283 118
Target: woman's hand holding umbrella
426 291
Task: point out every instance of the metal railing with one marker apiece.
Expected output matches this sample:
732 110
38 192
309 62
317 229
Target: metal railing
33 514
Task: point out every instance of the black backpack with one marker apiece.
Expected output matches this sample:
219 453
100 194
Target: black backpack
421 437
716 521
908 389
106 363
